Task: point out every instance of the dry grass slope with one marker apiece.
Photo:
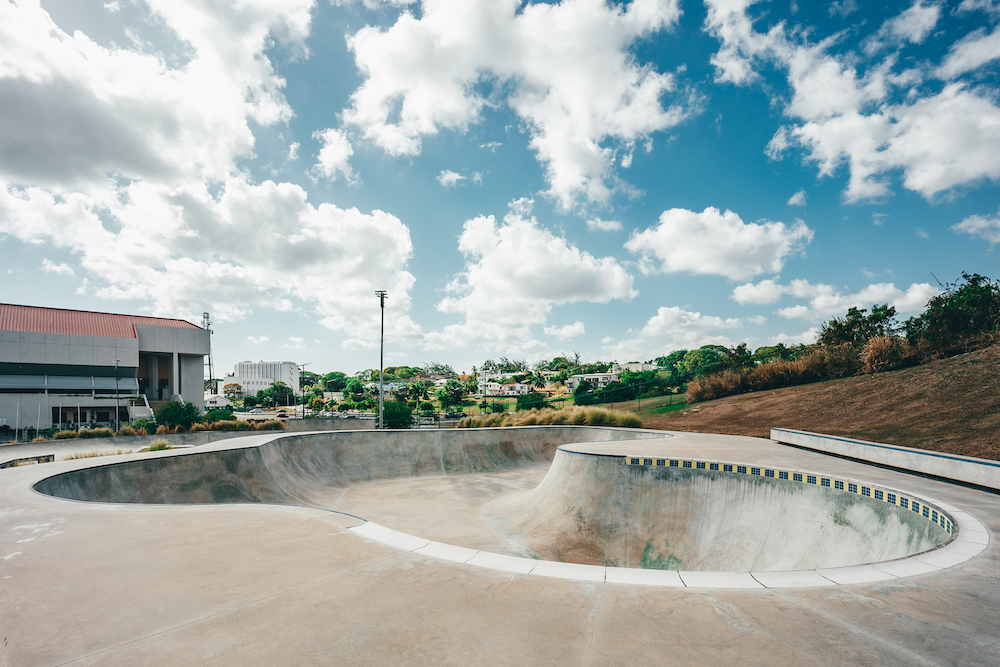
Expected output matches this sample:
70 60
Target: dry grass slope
950 405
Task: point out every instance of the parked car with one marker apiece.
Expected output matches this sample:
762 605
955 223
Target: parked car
454 415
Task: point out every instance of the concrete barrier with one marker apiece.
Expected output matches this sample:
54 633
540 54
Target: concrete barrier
968 469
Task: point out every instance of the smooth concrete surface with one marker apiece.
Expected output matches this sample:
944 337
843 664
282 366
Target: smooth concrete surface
261 584
971 470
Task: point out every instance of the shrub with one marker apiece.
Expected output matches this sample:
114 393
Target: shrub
583 416
96 433
217 415
127 430
200 427
231 425
882 353
963 317
164 430
272 425
65 435
158 446
177 414
397 415
144 426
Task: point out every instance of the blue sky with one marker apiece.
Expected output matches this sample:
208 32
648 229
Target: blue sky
525 179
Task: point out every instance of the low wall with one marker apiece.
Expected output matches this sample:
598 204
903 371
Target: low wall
299 425
981 472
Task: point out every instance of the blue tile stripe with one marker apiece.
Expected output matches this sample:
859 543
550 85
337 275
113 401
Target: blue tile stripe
915 504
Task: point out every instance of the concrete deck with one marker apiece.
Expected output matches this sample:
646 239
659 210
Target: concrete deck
255 584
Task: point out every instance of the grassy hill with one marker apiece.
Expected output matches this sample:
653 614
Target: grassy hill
951 405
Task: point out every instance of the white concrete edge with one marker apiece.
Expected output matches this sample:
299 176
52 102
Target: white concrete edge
922 563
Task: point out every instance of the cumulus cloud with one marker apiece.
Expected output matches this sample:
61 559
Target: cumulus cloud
825 301
874 122
257 340
807 337
294 343
566 332
334 157
596 224
515 273
184 250
565 69
673 328
985 227
449 179
798 199
716 243
58 269
75 111
971 53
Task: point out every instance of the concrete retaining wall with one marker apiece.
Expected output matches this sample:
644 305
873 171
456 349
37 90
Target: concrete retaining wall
981 472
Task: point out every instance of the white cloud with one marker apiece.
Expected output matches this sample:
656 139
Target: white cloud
566 332
596 224
515 273
565 69
184 251
75 111
294 343
449 179
113 6
58 269
842 9
912 25
717 243
798 199
334 157
970 53
807 337
293 151
257 340
766 291
985 227
492 145
939 140
825 301
673 328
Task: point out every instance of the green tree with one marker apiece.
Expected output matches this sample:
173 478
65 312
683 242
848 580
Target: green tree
233 391
397 415
531 400
856 328
335 381
175 413
451 393
217 415
705 360
965 311
354 388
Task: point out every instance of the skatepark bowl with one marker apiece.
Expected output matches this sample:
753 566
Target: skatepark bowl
593 507
537 545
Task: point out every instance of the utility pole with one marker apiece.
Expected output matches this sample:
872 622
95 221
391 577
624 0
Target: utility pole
206 323
118 400
381 354
303 397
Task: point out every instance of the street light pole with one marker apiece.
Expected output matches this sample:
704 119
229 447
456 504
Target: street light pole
303 397
381 354
118 400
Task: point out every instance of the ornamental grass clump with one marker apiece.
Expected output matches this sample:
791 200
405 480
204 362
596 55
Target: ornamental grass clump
96 433
65 435
576 415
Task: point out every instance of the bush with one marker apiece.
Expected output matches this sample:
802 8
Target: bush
176 414
127 430
231 425
581 416
883 353
531 401
272 425
65 435
396 415
96 433
158 446
164 430
217 415
963 317
144 426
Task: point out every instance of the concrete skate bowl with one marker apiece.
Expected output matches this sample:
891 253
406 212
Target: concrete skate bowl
314 469
685 514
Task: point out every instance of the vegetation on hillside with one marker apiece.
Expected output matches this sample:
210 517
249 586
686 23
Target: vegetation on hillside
964 317
575 416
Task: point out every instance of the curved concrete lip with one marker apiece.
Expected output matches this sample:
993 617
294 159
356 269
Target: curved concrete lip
969 540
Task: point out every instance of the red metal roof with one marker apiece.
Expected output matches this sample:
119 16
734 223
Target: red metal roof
78 322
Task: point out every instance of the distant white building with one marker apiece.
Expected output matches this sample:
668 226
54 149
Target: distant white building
217 402
515 389
254 376
633 367
596 380
488 388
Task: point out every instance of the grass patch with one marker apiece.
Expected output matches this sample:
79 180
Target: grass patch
157 446
576 415
93 453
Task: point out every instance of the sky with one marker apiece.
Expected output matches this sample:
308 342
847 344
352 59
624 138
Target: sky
524 179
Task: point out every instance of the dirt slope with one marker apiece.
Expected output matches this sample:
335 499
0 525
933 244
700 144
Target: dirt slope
951 405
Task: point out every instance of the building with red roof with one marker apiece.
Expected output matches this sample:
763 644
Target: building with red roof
72 368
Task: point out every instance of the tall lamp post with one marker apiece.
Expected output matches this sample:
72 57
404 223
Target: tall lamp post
381 351
303 397
118 400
